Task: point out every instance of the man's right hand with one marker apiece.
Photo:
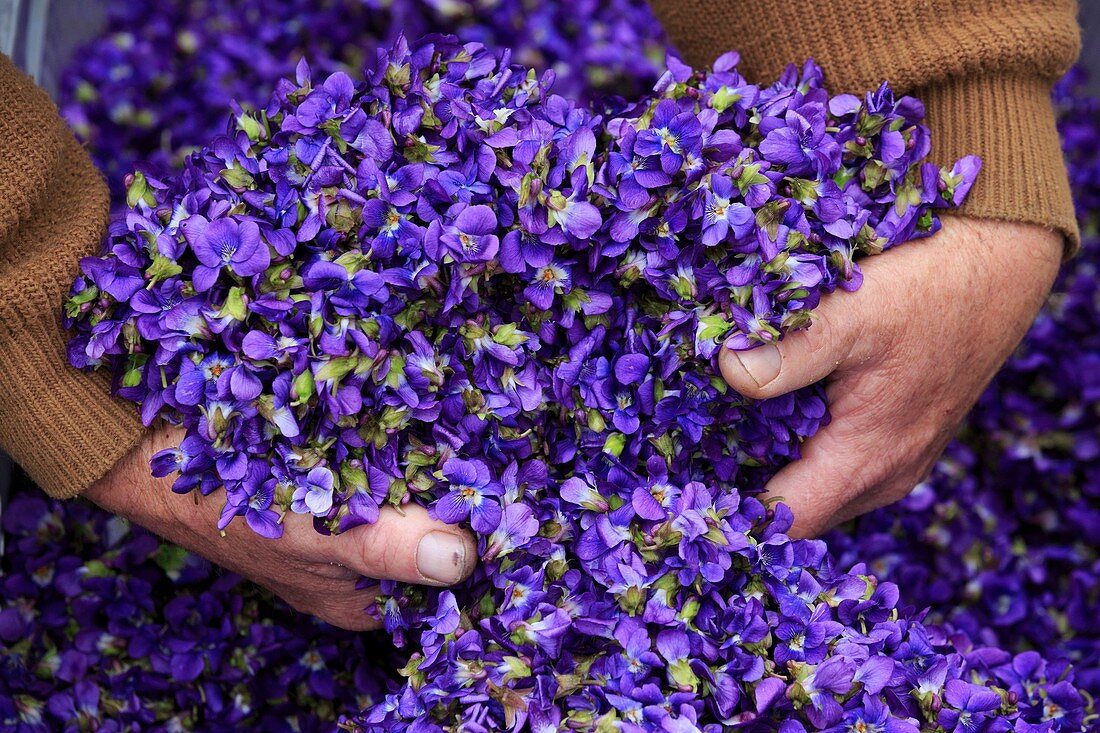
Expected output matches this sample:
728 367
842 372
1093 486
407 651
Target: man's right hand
314 573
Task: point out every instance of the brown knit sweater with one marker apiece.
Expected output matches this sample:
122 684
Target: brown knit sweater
983 67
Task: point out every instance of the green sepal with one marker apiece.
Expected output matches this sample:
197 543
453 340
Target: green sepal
139 191
234 306
237 177
72 305
712 328
515 669
681 675
303 388
251 126
162 268
337 368
724 98
352 478
614 444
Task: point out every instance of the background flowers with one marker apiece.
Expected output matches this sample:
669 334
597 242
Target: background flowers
156 84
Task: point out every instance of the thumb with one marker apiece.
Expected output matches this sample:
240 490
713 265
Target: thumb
409 546
801 358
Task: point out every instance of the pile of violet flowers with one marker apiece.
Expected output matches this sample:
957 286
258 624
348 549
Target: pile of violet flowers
446 285
1007 494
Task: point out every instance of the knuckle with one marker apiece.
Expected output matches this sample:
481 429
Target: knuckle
393 554
822 339
852 484
381 554
835 340
821 349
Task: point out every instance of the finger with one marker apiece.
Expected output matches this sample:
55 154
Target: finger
409 546
852 467
817 486
802 357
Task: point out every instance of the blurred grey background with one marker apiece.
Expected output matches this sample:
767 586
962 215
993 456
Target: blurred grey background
41 35
1090 44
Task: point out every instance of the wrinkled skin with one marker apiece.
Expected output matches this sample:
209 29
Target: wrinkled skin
904 359
312 572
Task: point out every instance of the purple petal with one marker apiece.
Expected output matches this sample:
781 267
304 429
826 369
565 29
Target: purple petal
264 523
187 666
324 275
258 345
581 219
485 516
319 501
452 508
232 467
646 505
459 471
374 141
244 384
252 256
768 691
190 388
631 368
284 419
673 645
320 477
476 220
205 277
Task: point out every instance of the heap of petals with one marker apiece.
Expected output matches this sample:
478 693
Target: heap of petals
446 285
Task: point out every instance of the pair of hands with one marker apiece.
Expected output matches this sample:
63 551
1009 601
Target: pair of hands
904 358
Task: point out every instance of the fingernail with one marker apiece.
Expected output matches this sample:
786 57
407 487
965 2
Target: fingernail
761 363
441 558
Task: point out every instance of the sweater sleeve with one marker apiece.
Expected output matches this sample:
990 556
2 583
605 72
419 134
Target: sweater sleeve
984 69
61 425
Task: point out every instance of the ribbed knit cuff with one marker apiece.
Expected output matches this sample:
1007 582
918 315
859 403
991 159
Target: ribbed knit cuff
61 425
1009 121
